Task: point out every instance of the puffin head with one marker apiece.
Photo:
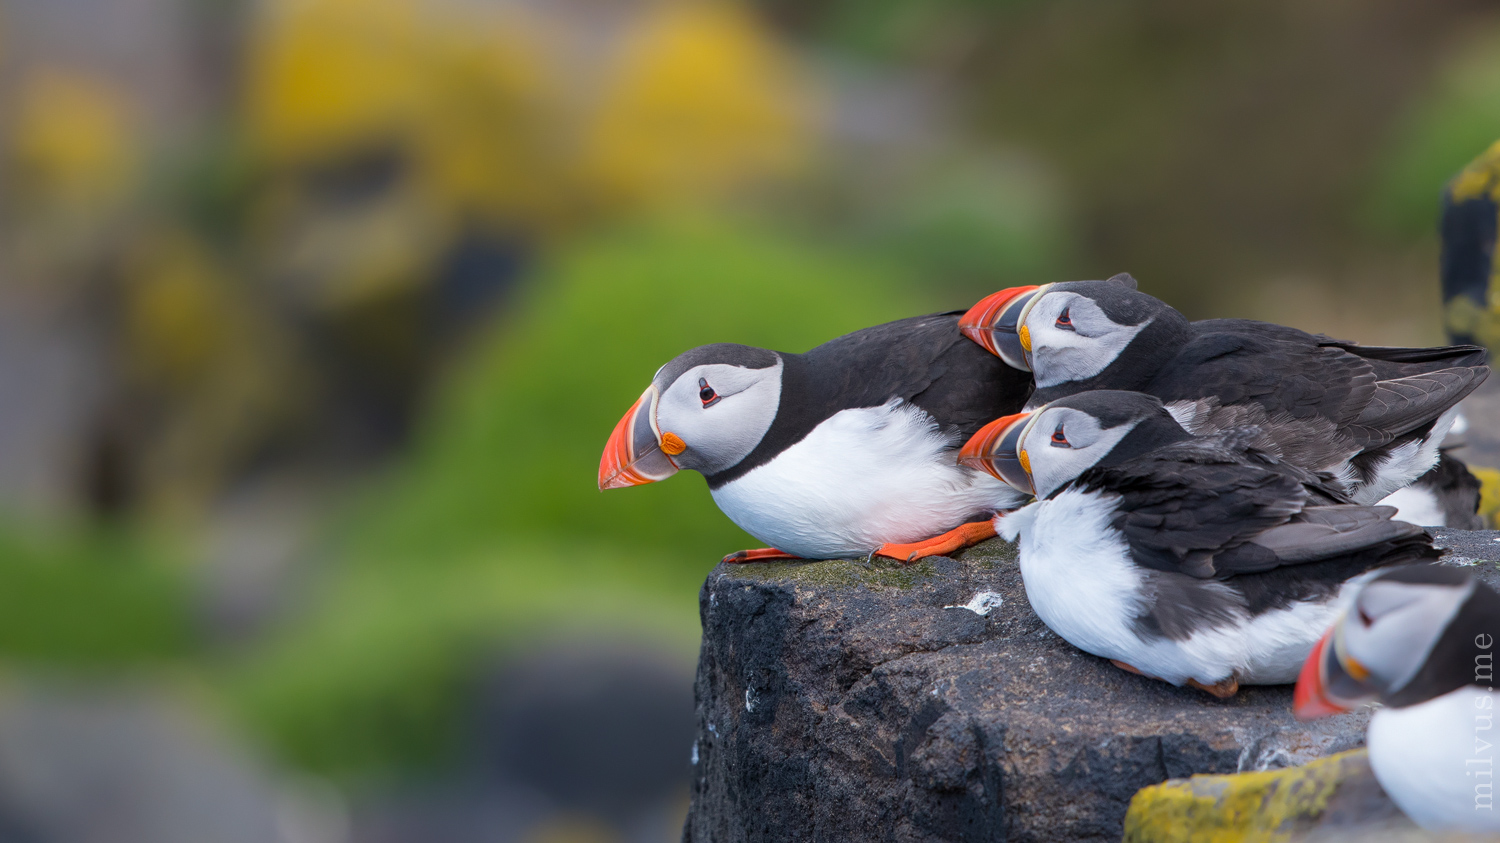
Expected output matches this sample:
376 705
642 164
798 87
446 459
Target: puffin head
1404 640
705 410
1042 451
1071 331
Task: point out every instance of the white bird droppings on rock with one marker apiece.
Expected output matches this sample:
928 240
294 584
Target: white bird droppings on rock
982 604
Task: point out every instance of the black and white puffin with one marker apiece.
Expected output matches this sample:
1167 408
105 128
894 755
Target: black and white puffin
1446 496
1421 641
1203 561
846 450
1373 417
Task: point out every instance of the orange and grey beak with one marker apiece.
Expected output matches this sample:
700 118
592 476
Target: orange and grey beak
995 323
996 449
633 456
1330 682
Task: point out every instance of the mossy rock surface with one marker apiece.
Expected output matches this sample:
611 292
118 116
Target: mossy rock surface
1329 798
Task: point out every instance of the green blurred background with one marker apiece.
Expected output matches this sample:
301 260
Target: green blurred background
315 314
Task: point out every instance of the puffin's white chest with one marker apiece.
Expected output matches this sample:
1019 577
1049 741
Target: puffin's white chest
1404 464
1082 582
863 478
1417 505
1437 759
1077 571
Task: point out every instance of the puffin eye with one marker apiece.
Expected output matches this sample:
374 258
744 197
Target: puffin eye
1059 440
706 393
1064 320
1363 618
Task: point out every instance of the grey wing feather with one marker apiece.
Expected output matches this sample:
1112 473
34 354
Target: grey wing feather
1404 404
1325 531
1214 508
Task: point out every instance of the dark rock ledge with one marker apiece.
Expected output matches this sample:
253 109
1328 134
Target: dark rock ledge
844 701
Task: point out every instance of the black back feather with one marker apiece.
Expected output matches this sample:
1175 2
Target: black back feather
923 360
1220 526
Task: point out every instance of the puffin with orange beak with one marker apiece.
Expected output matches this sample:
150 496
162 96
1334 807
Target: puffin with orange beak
1373 417
1421 641
1202 561
846 450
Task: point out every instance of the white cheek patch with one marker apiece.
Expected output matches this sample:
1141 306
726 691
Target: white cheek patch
723 434
1060 356
1052 468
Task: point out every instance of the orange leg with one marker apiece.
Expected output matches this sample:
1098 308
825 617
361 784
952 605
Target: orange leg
1223 689
959 537
760 554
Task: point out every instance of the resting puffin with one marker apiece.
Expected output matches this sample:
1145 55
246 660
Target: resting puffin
1203 561
1421 641
1446 496
846 450
1374 417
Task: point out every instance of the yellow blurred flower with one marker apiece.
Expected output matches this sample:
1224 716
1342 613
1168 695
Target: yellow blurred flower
513 116
462 93
177 303
700 100
327 74
73 140
222 375
492 136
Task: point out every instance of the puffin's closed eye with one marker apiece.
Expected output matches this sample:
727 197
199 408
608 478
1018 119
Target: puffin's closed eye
706 394
1059 440
1065 321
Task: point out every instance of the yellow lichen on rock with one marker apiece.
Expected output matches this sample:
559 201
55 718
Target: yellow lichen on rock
1480 178
1263 807
1464 317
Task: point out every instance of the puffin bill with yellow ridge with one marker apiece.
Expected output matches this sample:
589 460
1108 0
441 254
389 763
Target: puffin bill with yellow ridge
844 451
1202 561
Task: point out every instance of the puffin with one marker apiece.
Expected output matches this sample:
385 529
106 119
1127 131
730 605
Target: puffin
1446 496
1199 560
1374 417
844 451
1419 640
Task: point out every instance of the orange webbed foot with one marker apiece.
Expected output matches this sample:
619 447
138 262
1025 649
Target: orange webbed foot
1223 689
957 538
759 554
